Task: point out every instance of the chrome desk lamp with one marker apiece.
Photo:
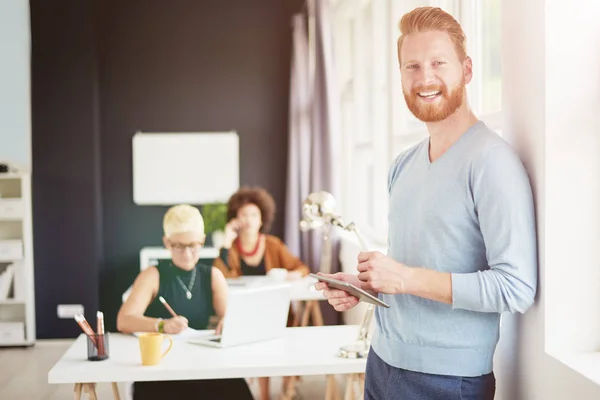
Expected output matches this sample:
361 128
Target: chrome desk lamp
319 211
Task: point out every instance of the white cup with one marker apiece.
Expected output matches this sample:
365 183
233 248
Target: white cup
278 274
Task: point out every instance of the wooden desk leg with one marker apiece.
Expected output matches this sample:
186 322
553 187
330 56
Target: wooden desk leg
306 313
290 390
332 391
90 390
77 391
298 313
115 390
350 387
361 385
317 316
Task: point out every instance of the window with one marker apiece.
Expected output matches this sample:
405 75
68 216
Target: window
376 124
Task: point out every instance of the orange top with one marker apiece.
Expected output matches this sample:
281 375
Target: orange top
276 255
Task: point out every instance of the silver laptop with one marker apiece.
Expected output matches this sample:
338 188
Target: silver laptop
253 314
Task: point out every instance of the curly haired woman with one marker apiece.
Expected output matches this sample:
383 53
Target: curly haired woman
248 248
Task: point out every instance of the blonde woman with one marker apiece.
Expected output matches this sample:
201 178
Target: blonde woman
195 291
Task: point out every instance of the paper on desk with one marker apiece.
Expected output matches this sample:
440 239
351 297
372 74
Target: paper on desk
188 333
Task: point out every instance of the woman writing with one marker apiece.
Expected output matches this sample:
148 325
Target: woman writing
195 291
249 250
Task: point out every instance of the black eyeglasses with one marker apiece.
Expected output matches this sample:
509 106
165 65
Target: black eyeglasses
180 247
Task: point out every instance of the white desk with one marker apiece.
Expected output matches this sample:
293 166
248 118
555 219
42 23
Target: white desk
300 290
302 351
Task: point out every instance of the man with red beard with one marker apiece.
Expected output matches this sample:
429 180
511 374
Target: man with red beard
462 240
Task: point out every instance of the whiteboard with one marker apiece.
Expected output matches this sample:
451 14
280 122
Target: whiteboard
193 168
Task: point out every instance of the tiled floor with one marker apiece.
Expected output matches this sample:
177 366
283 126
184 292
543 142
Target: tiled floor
24 376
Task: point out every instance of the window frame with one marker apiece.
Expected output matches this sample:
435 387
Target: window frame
391 129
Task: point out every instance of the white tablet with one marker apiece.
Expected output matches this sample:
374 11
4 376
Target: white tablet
353 290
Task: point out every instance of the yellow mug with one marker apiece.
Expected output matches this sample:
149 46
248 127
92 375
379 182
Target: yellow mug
151 347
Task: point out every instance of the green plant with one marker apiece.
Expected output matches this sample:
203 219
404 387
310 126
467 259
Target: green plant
215 217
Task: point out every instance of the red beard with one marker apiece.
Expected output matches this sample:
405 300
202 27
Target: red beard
441 109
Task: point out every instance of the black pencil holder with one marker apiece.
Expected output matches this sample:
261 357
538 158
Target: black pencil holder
97 347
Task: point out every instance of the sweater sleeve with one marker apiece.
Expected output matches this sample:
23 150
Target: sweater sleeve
290 261
504 205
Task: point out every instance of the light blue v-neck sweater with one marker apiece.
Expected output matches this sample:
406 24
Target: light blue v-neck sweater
469 213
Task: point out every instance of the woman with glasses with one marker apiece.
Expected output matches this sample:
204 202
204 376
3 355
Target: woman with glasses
194 291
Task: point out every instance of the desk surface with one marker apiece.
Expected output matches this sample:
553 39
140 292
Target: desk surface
300 290
302 351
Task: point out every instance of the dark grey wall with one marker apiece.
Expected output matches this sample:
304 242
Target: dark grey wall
103 70
66 163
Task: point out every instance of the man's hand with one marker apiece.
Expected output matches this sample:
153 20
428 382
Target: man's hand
381 274
175 325
339 299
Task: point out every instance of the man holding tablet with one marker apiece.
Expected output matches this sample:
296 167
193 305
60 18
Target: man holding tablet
462 241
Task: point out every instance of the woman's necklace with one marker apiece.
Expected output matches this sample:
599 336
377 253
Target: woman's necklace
252 252
188 289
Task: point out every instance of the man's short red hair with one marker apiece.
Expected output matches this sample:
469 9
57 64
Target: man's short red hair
425 19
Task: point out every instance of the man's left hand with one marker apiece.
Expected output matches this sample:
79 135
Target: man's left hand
381 274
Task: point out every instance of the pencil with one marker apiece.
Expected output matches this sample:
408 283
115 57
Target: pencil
100 323
167 306
86 328
100 333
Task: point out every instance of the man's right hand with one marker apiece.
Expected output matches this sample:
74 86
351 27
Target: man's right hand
175 325
339 299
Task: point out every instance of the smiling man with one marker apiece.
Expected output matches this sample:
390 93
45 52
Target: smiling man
462 241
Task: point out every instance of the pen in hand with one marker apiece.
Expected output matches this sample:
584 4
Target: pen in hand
167 306
176 324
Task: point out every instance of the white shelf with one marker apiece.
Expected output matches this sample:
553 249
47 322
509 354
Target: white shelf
17 344
12 302
16 248
11 175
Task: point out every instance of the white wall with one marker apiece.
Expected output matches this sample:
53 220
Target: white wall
572 176
551 93
15 99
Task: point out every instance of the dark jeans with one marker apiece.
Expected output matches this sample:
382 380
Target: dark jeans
384 382
197 389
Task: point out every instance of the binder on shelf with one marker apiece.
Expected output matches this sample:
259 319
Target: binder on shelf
11 209
6 280
12 333
11 250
